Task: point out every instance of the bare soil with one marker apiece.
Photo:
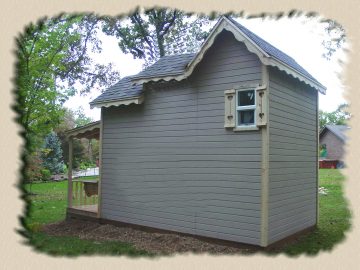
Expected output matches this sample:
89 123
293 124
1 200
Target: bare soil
153 242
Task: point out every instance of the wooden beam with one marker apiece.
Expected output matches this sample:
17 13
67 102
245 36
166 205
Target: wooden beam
317 159
70 172
100 161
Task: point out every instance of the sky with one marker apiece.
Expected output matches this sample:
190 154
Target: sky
300 38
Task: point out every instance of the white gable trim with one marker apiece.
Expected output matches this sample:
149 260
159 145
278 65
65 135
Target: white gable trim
225 24
135 100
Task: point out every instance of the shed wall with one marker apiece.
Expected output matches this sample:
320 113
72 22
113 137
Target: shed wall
334 146
292 155
170 164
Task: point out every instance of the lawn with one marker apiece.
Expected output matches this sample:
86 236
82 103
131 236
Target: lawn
48 205
334 217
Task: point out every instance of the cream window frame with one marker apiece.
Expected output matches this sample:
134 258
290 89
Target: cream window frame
245 108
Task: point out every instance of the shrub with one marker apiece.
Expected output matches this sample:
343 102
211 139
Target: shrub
45 175
33 168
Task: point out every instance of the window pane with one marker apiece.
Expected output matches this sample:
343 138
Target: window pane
246 98
246 117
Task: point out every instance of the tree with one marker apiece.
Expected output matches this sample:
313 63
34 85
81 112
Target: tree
80 118
70 120
337 117
54 56
335 40
52 154
157 32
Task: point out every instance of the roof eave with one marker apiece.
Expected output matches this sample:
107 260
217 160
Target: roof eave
117 102
290 71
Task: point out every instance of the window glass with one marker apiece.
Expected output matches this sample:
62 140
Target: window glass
246 98
246 117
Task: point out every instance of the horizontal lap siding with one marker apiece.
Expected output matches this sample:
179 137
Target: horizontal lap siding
170 164
292 156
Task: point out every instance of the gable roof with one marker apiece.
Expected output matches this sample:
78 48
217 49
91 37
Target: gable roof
338 130
268 55
178 67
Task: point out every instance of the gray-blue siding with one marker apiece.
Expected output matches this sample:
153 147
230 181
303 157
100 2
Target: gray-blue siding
292 156
170 164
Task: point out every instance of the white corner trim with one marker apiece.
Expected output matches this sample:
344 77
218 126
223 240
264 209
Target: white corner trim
225 24
136 100
265 142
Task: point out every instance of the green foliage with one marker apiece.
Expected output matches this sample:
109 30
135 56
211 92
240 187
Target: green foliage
34 166
81 119
83 150
337 117
45 175
154 33
53 56
86 164
335 39
52 154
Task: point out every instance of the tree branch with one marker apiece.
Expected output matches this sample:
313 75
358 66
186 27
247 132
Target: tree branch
171 22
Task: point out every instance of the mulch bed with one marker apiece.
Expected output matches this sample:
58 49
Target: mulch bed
152 242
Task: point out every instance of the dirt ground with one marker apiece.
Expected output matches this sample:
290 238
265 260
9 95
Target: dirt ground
153 242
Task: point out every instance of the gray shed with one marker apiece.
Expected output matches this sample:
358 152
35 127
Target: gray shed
221 143
333 138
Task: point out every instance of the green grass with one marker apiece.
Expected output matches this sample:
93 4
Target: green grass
72 246
48 205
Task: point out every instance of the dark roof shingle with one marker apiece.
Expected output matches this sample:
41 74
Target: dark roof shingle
166 66
123 89
338 130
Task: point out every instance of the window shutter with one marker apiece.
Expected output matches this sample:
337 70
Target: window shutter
261 105
230 103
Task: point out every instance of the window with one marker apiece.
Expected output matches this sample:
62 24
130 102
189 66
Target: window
245 108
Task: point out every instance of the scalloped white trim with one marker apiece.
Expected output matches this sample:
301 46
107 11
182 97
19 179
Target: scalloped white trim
225 24
136 100
81 130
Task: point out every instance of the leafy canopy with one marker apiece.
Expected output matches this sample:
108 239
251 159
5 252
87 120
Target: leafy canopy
54 62
337 117
154 33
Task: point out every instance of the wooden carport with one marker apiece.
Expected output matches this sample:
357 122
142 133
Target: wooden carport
89 131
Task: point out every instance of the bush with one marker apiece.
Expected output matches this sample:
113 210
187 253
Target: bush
84 165
33 168
45 175
65 169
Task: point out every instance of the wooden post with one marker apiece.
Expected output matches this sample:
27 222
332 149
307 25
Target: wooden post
70 172
100 163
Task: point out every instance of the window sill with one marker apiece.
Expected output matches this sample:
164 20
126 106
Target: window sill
239 129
